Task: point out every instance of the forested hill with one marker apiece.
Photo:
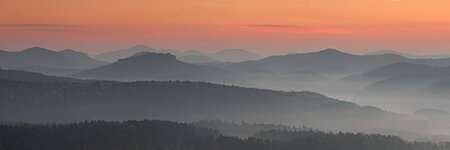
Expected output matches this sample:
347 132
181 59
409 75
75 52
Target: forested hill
31 76
101 135
154 66
165 135
243 129
185 101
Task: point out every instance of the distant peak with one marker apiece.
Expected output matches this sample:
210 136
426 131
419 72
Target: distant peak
139 54
140 47
152 55
149 58
233 50
71 51
193 52
330 50
237 51
37 49
387 51
393 52
67 50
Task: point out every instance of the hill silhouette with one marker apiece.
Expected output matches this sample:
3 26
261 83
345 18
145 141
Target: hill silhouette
31 76
153 66
196 59
184 101
49 70
388 71
44 58
234 55
409 91
412 56
123 53
156 134
329 61
227 55
353 83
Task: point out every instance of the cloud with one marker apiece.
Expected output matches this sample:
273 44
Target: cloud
57 30
269 26
296 29
44 27
35 25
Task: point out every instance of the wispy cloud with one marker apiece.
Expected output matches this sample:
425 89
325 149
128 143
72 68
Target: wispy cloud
269 26
44 27
58 30
35 25
296 29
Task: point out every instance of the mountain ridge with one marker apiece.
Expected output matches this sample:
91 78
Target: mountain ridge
153 66
232 55
38 56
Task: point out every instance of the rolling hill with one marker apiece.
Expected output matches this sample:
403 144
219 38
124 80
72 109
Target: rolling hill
407 55
196 59
329 62
234 55
353 83
154 66
41 60
37 56
49 70
32 77
407 92
387 72
162 135
184 101
227 55
123 53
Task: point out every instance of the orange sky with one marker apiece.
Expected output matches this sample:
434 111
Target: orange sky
263 26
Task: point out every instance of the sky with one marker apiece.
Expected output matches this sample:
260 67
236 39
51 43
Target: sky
263 26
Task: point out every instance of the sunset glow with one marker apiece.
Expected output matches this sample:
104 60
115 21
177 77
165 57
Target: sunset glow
262 26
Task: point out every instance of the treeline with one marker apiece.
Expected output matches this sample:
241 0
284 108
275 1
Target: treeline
102 135
244 129
175 100
166 135
319 140
32 77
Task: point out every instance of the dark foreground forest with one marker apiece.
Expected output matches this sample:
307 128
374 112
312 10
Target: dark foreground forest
166 135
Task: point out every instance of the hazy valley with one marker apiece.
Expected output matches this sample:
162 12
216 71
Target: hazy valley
386 93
